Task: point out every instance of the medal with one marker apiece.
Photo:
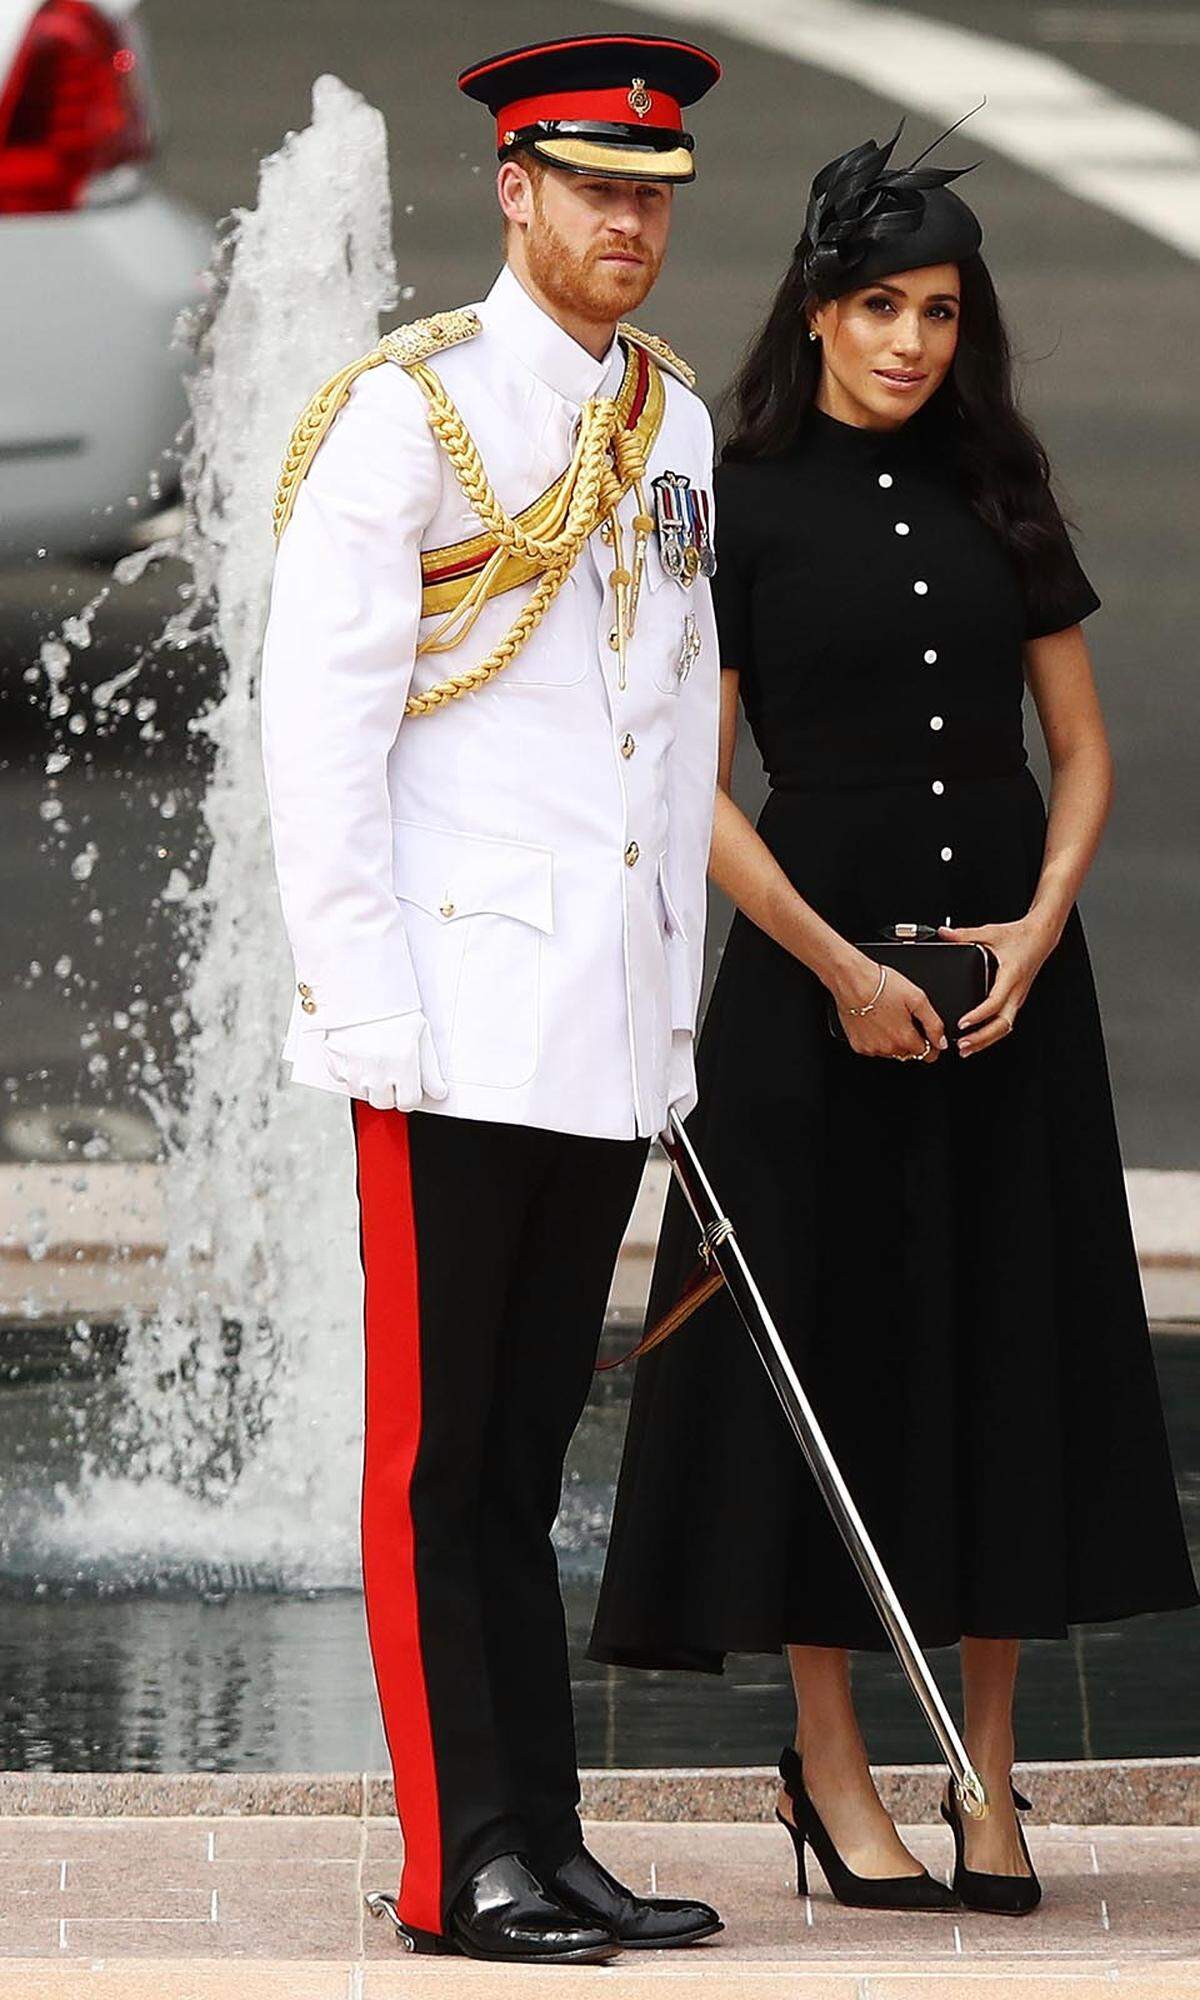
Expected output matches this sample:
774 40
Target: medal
673 529
702 507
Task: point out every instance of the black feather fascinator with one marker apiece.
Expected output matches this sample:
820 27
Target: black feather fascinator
866 218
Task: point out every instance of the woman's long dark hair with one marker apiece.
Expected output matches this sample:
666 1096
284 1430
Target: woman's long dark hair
973 416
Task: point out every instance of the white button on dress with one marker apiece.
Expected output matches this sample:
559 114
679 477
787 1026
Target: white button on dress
935 722
947 854
902 527
930 656
938 787
920 588
885 479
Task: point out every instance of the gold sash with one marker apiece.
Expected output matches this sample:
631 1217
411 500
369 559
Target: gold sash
448 574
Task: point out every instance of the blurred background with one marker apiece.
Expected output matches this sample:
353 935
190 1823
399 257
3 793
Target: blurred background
126 136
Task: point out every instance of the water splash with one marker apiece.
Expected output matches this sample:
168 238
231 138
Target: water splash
237 1435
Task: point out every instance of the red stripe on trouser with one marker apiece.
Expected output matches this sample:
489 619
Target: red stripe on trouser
393 1435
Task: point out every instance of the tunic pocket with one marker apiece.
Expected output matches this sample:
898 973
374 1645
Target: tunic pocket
479 910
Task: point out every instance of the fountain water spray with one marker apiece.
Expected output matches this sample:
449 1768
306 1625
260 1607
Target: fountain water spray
237 1444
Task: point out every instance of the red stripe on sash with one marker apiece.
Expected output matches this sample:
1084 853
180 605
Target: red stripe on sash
393 1436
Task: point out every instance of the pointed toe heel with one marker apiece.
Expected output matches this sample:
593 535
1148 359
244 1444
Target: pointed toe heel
995 1895
858 1892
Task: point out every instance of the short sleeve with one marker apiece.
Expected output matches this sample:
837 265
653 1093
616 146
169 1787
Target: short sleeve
732 583
1064 596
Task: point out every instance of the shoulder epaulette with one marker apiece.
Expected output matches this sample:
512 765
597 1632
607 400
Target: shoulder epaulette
422 338
666 356
404 345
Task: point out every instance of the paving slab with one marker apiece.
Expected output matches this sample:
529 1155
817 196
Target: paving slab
202 1908
175 1979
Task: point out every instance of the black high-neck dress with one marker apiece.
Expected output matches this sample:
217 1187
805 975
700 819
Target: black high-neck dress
946 1249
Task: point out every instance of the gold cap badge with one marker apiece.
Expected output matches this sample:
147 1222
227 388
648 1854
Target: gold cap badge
640 99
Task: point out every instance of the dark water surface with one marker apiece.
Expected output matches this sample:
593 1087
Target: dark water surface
190 1677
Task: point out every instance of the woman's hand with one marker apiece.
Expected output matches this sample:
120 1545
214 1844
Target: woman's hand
902 1023
1020 951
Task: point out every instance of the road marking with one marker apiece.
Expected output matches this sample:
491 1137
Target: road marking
808 1911
1156 27
1104 1913
62 1877
1124 157
1095 1857
957 1941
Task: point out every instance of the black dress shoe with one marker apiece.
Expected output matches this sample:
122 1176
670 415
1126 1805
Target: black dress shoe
638 1923
858 1892
999 1895
505 1914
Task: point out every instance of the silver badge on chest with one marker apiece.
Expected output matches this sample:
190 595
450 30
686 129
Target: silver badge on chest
689 650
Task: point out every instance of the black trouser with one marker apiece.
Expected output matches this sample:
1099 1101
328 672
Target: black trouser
488 1252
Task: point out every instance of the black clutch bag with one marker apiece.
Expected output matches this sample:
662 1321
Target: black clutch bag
957 977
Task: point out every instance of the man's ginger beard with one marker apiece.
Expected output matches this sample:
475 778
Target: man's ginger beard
577 282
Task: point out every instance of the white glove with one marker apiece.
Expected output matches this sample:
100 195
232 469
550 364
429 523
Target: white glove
681 1074
390 1063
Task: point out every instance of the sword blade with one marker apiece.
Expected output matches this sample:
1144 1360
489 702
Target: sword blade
718 1233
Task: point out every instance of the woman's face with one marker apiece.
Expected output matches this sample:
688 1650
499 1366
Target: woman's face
887 347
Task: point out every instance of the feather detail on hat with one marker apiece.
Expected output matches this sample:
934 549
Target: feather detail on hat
858 204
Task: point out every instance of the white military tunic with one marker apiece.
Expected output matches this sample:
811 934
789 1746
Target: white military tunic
525 865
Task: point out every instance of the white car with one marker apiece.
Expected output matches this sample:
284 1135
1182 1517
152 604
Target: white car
95 265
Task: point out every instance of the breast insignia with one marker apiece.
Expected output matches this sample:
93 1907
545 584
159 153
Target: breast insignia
422 338
664 355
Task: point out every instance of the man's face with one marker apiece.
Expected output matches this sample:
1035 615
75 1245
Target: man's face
595 246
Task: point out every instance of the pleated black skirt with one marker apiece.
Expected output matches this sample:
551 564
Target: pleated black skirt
948 1254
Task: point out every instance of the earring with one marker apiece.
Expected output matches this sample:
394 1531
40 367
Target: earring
813 334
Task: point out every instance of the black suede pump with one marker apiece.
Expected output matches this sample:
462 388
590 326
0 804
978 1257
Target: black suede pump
860 1892
999 1895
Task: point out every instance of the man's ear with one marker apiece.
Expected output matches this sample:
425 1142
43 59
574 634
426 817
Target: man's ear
514 192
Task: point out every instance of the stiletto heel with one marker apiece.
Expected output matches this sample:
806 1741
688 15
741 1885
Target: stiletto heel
999 1895
797 1840
861 1892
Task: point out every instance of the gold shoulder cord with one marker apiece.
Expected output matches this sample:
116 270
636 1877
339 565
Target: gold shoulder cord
607 461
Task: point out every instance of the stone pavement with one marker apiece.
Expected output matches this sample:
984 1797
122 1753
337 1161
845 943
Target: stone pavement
271 1909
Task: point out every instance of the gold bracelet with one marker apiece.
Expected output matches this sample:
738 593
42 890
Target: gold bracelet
858 1012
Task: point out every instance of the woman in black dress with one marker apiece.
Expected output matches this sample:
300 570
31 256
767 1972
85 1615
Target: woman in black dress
935 1211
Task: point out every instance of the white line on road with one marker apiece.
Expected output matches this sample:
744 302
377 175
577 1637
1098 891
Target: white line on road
1124 157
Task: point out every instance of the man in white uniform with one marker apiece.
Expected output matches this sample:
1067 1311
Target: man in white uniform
490 732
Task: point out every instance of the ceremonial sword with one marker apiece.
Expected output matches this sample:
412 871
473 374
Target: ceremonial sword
719 1246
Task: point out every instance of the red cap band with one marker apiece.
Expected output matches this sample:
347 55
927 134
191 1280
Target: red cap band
628 106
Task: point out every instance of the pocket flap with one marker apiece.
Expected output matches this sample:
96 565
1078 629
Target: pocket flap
452 874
